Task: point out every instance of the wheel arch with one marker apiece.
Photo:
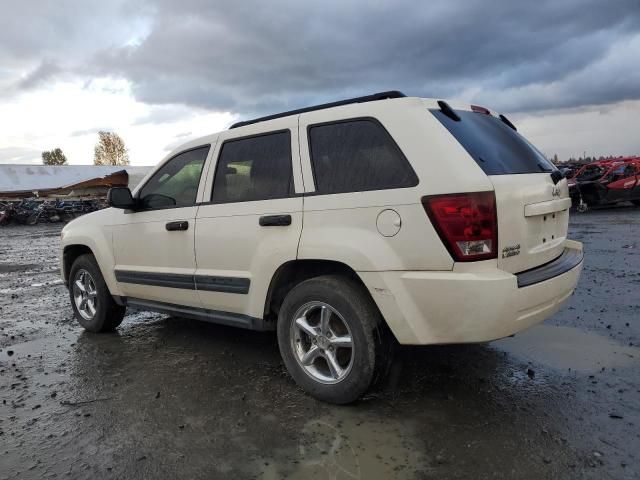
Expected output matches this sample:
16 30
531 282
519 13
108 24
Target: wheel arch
291 273
69 255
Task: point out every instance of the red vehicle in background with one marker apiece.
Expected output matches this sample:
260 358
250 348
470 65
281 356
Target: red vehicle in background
606 182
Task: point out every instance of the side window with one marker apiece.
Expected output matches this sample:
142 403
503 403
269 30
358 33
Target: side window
254 168
357 155
176 183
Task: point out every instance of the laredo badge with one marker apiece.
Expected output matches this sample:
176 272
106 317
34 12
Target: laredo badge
511 251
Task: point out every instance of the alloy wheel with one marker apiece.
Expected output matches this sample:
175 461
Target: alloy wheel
322 342
85 294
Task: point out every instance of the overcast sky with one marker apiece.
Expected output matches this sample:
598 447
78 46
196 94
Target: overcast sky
159 72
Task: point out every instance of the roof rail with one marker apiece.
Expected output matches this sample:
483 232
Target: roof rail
366 98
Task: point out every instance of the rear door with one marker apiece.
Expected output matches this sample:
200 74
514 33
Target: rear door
532 204
251 222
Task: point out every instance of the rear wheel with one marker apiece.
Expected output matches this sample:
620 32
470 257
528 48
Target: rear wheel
92 304
332 339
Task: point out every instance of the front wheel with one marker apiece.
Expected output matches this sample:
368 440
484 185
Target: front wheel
92 303
332 338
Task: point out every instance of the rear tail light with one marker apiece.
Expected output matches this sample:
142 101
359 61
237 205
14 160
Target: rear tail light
466 222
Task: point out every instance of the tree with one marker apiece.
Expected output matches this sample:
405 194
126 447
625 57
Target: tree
110 150
54 157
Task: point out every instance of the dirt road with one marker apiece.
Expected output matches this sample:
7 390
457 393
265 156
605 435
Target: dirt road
173 398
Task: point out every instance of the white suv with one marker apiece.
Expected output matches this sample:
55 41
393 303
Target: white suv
346 227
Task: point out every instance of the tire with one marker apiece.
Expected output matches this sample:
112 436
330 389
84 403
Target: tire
353 315
636 202
107 313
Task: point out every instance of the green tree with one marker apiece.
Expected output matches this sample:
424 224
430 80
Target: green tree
110 150
54 157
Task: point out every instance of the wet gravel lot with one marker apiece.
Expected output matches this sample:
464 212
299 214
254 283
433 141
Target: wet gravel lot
173 398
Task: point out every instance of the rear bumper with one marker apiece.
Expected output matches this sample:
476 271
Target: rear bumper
424 308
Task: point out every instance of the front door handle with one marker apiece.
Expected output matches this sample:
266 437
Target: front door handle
174 226
275 220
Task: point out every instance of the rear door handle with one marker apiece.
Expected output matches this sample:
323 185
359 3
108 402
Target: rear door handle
275 220
174 226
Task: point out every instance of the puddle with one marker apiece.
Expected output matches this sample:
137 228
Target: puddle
16 267
35 348
43 284
33 285
566 347
349 445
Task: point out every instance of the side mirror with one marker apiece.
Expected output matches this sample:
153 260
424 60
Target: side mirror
120 197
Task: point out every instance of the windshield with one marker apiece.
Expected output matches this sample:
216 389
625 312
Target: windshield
591 172
496 148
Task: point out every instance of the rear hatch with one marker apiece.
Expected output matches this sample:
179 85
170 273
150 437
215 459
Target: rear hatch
532 198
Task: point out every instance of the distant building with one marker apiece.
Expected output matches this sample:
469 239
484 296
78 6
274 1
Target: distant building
25 181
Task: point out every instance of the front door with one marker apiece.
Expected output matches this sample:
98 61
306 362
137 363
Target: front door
154 245
253 220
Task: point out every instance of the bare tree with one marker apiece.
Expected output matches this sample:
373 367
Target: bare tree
54 157
110 150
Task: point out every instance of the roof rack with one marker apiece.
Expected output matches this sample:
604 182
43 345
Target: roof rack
366 98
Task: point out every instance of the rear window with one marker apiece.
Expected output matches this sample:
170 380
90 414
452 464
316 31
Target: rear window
496 148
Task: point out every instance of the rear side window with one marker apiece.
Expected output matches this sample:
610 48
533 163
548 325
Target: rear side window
254 168
496 148
357 155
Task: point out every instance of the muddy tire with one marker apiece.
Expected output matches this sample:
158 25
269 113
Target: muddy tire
92 304
333 339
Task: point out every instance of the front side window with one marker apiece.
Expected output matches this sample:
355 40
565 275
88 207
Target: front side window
357 155
176 183
254 168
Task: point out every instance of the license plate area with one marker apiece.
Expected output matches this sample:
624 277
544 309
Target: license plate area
547 231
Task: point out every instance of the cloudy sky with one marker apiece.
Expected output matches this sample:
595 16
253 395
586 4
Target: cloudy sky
159 72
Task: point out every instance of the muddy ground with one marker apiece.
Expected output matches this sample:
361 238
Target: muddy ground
172 398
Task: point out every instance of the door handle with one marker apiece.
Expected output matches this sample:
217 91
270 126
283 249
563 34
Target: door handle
174 226
275 220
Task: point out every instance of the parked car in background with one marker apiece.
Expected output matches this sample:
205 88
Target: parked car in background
606 182
346 227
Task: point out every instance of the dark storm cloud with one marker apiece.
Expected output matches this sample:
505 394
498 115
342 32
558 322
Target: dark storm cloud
253 56
261 56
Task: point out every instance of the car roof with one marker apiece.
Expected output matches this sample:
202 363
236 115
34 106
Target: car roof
387 96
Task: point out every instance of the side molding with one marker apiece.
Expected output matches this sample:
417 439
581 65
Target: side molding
190 282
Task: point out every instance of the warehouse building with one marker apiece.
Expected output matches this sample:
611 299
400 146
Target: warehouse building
65 181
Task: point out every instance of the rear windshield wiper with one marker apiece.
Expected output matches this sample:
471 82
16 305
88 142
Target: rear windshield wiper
506 121
448 111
